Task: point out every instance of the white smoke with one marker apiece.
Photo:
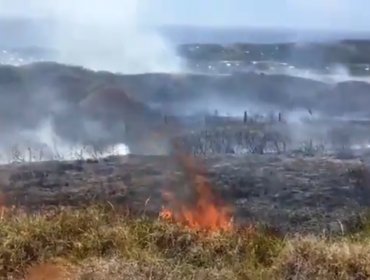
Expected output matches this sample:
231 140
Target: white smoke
108 35
100 34
43 144
333 74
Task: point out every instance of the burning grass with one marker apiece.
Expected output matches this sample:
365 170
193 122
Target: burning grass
204 210
203 214
102 243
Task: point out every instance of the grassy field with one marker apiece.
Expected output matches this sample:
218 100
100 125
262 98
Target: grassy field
102 243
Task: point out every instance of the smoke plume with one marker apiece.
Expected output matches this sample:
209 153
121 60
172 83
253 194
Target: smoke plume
106 35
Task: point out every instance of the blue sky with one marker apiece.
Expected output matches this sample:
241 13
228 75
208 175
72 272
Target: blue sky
306 14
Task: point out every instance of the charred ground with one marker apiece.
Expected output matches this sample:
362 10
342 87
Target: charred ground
312 195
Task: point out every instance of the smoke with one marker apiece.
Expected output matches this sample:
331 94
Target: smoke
108 35
43 144
332 74
39 125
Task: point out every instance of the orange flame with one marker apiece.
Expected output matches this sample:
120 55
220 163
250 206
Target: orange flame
205 213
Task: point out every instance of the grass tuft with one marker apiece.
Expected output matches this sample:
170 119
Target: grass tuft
101 243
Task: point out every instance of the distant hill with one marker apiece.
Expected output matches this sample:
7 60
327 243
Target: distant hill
212 35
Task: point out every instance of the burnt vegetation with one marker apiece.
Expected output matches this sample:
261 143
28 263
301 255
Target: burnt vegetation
299 187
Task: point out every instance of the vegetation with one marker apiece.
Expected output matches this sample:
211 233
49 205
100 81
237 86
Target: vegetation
103 243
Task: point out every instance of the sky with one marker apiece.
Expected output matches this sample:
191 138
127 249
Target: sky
295 14
315 14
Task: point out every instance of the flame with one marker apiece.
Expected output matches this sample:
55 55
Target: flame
205 212
166 214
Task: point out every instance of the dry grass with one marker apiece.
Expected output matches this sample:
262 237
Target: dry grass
99 243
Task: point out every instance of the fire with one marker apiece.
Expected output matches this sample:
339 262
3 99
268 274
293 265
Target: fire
204 212
166 214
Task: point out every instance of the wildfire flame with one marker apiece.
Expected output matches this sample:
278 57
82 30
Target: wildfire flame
205 212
